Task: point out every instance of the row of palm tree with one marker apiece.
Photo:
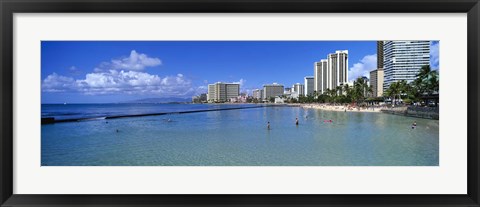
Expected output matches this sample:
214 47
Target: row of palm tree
357 93
426 84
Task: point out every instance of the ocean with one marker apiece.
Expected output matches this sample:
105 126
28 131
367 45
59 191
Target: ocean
233 137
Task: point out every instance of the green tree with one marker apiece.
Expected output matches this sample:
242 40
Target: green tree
272 99
397 89
359 90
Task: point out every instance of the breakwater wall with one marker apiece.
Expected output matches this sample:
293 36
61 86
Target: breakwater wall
413 111
51 120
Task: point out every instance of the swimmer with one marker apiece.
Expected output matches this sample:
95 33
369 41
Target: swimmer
118 130
414 125
268 125
296 121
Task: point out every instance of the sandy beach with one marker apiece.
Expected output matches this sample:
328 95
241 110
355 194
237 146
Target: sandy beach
349 108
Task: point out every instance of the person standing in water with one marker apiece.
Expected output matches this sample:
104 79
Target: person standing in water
268 125
296 121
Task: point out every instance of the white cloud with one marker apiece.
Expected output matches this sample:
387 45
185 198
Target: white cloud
363 68
434 55
121 82
57 83
242 85
122 76
136 61
241 82
201 89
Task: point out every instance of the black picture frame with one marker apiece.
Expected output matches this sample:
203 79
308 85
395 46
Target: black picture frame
9 7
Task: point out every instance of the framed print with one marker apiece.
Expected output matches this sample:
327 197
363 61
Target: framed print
246 103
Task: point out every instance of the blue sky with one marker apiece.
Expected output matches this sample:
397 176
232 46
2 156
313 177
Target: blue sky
112 71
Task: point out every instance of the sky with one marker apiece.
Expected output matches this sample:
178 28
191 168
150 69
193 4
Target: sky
120 71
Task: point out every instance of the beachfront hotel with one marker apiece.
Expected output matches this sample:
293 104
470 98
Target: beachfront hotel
376 81
309 85
402 60
298 88
320 76
331 72
272 90
258 94
220 92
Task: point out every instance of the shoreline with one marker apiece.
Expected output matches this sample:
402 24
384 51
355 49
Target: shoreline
341 108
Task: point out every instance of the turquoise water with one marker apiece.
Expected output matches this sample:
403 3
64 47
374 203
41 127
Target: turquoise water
240 138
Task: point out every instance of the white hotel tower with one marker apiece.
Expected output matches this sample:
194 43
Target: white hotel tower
331 72
402 60
220 92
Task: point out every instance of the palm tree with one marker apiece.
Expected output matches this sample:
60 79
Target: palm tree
398 88
426 83
360 89
427 80
369 91
331 93
346 88
424 72
432 84
339 90
392 92
315 96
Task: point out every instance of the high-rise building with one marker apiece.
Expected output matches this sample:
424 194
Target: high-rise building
272 90
325 76
309 85
376 81
318 74
220 92
298 88
379 54
258 94
338 65
402 60
331 72
211 92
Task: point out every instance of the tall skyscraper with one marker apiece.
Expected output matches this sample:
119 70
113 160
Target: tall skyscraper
320 76
338 65
402 60
376 81
220 92
379 54
309 85
332 72
272 90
